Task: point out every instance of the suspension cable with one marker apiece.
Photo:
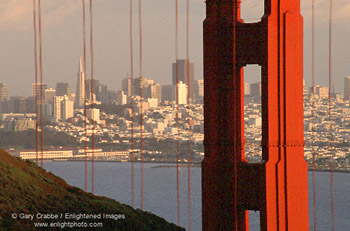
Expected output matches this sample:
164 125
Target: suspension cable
313 118
132 108
189 90
141 106
177 112
92 102
36 90
330 113
85 98
41 88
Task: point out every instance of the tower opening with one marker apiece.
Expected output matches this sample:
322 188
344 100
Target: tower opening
252 113
254 220
252 10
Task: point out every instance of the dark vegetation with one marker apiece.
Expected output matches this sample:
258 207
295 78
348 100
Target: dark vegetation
112 109
26 139
26 188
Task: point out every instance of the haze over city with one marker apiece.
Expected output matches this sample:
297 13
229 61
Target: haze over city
62 41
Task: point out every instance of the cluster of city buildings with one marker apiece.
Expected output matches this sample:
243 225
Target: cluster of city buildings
162 119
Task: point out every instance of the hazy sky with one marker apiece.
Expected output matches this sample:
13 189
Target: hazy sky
63 40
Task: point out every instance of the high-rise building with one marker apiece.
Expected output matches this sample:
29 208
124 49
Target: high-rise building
57 107
255 90
199 90
320 92
102 93
63 89
93 114
17 104
67 108
36 88
95 83
80 93
122 99
168 93
182 93
246 88
181 66
49 94
347 88
127 86
4 94
30 104
305 89
63 108
112 96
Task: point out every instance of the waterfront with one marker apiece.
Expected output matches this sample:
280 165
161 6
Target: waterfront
112 179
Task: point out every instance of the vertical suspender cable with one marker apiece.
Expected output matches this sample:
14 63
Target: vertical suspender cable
330 112
313 117
234 73
36 90
177 112
41 89
92 103
141 108
132 108
188 113
85 99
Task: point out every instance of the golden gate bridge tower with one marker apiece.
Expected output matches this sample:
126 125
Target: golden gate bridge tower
277 186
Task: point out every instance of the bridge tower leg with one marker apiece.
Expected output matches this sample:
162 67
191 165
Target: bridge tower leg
277 186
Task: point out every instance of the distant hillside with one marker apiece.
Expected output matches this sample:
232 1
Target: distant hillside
27 189
26 139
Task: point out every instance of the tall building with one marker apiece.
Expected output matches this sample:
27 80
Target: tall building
127 86
182 93
63 89
63 108
49 94
80 93
4 94
181 66
93 114
57 111
122 99
30 104
36 88
17 104
95 83
255 90
102 93
112 96
347 88
247 89
168 92
321 92
67 108
199 90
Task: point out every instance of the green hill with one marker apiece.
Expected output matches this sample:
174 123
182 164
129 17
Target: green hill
26 189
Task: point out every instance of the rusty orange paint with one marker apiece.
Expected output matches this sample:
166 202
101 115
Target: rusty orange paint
277 187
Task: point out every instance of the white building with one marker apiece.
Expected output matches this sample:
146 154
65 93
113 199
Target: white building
57 100
63 108
122 98
93 114
67 108
182 93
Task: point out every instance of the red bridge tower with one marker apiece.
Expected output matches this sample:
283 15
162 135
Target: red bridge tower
277 187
